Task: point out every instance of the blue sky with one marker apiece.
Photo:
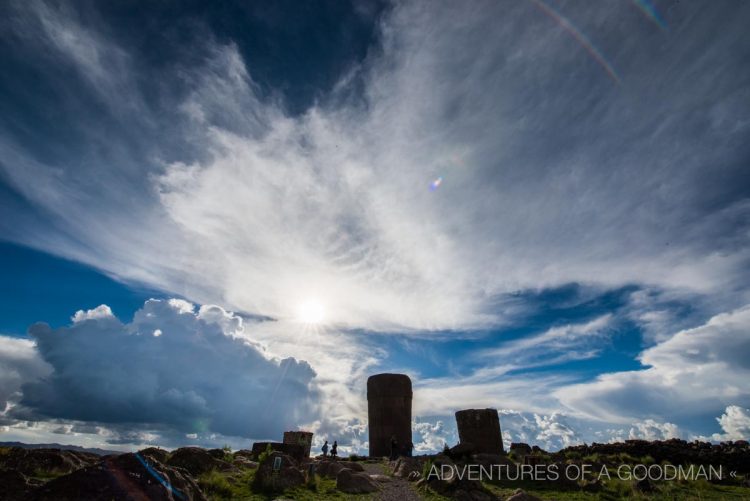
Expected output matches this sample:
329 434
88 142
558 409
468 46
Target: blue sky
226 217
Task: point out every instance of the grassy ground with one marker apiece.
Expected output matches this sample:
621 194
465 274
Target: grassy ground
219 487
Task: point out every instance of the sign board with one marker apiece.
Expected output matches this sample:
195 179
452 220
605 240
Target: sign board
276 463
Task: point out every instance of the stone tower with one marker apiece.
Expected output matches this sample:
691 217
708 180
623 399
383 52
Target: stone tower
481 428
389 412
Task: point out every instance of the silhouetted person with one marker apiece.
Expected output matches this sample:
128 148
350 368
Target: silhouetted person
334 450
325 449
394 447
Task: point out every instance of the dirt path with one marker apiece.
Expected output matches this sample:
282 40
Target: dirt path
396 489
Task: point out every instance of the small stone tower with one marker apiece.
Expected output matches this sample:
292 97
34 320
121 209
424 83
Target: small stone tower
481 428
389 412
301 438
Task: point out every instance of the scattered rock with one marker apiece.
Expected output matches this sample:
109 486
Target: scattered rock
197 461
126 476
355 483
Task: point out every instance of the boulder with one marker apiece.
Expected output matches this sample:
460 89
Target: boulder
353 482
126 476
16 486
31 462
383 479
520 448
330 469
244 462
217 453
349 465
155 453
405 467
197 461
287 476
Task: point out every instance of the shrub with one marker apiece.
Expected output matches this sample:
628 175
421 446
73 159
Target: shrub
264 455
214 483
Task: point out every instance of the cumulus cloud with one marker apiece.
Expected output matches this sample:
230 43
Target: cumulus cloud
652 430
735 422
202 375
695 371
19 363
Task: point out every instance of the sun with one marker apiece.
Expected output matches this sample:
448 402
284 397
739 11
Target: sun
310 311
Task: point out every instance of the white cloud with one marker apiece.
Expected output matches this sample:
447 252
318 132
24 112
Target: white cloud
19 363
333 205
201 375
554 346
652 430
694 371
100 312
735 422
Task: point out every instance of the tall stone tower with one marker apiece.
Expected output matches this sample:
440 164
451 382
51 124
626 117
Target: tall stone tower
389 412
481 428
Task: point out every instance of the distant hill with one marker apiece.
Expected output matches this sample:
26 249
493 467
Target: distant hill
100 452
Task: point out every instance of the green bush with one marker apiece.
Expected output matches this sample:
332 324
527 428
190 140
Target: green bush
264 455
215 484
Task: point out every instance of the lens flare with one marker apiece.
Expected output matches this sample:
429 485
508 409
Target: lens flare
650 11
579 37
436 184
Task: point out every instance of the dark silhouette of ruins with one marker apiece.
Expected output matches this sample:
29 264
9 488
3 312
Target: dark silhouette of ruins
389 412
481 429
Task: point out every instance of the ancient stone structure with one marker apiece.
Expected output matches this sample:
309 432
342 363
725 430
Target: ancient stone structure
481 428
389 411
303 438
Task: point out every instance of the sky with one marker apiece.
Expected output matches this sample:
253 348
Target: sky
219 219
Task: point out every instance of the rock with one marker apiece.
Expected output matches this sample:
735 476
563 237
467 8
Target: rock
488 461
217 453
287 476
126 476
383 479
155 453
16 486
31 462
520 448
644 485
244 462
404 467
355 483
197 461
464 449
521 495
349 465
244 453
326 468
